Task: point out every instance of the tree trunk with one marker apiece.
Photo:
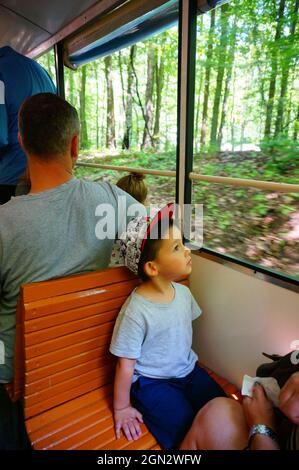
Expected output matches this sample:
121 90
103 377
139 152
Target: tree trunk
120 65
83 126
197 115
296 126
166 115
96 74
242 134
272 85
207 80
159 88
285 73
220 73
148 114
71 88
230 62
126 144
110 128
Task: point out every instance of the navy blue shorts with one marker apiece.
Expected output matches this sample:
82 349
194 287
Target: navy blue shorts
168 406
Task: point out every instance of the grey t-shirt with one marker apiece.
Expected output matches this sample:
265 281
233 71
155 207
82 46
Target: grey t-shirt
158 336
47 235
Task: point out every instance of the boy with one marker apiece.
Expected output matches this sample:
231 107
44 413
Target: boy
157 369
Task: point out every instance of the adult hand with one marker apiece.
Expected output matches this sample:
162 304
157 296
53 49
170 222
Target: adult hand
128 420
258 409
289 398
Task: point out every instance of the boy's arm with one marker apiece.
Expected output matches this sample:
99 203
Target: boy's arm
126 417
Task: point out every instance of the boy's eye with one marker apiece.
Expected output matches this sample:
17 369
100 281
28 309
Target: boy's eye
176 247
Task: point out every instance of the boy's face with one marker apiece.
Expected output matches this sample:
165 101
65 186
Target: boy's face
173 259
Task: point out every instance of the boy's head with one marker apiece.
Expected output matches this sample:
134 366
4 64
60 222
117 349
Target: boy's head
155 247
134 184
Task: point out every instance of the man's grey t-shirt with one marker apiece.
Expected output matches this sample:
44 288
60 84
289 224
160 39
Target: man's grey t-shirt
158 336
47 235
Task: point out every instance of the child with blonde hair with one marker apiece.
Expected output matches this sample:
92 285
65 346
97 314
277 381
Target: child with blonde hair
133 184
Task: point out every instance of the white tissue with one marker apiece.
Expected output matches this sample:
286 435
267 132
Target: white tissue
270 385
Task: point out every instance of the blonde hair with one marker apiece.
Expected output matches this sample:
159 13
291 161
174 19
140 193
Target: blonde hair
134 184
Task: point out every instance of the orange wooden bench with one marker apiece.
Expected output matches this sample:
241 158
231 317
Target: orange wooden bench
64 331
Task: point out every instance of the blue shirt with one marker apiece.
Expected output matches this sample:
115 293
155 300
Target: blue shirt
20 77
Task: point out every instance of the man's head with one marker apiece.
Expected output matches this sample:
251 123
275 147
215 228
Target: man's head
49 127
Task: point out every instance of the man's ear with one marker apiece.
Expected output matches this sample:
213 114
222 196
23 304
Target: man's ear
150 268
20 141
75 148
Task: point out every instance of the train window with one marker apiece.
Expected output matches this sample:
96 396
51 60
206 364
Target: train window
127 103
47 60
247 127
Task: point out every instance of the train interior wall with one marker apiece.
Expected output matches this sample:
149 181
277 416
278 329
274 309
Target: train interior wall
242 317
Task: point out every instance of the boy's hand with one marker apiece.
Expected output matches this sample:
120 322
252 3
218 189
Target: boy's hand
128 420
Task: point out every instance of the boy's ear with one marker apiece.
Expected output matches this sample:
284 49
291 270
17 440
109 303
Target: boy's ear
150 268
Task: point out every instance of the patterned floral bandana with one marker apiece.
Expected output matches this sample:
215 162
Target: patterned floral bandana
131 243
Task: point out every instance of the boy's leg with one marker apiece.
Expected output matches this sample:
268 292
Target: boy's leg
201 388
165 409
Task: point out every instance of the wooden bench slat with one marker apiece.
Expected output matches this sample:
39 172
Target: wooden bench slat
66 302
40 423
55 386
48 359
79 282
144 442
90 410
108 311
75 392
62 330
68 363
99 422
58 344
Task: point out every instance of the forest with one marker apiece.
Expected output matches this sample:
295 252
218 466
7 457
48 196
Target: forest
246 122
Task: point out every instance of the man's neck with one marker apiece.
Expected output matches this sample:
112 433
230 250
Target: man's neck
45 176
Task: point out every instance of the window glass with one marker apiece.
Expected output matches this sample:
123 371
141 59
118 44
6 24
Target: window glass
127 104
47 60
247 126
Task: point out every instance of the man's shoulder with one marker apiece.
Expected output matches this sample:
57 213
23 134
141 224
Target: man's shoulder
9 208
97 185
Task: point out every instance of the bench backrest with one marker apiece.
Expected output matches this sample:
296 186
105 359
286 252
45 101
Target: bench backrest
67 331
